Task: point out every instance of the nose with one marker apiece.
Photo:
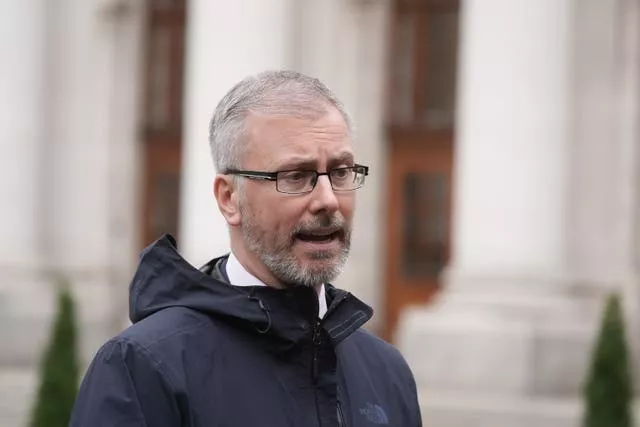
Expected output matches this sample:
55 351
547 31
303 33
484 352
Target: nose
323 198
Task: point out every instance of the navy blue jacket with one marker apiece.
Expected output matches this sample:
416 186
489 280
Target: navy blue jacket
203 353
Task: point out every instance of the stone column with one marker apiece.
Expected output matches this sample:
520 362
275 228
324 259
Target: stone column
513 123
226 41
604 195
22 165
508 342
22 87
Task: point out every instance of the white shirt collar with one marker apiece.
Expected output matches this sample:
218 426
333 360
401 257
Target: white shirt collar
239 276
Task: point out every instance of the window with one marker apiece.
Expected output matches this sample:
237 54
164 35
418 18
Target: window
424 234
424 61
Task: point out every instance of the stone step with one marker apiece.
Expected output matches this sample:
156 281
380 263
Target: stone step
459 409
17 391
482 350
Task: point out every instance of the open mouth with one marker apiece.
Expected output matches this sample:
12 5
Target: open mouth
318 237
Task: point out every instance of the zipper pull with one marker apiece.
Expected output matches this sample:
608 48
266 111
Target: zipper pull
316 333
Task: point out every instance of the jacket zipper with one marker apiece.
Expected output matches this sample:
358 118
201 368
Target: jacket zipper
316 344
340 415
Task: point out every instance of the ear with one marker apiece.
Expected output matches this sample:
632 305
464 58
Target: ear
226 195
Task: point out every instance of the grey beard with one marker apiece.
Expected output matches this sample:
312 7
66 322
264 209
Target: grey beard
286 269
284 265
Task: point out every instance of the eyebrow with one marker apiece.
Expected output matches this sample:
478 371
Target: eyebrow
298 163
344 157
311 163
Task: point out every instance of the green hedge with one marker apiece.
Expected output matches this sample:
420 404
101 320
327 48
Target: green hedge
609 389
59 373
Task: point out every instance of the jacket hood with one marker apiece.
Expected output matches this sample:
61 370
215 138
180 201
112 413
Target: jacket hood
164 280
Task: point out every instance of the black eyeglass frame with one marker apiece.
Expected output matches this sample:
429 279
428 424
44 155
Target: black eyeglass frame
273 176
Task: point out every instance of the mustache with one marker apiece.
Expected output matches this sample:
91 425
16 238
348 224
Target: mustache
321 224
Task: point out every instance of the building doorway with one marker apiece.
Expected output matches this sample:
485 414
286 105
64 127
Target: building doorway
162 118
420 134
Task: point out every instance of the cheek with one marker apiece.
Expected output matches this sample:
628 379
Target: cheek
347 206
282 214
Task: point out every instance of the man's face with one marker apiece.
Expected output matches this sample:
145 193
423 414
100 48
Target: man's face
304 238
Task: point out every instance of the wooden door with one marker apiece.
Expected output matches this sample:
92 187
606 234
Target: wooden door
420 123
162 128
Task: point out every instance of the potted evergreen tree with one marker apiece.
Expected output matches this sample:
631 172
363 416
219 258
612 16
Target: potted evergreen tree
59 369
609 389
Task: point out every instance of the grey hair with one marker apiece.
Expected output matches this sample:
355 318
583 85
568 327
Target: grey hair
271 92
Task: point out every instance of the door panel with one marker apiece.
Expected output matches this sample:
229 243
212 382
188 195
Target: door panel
420 123
419 226
162 127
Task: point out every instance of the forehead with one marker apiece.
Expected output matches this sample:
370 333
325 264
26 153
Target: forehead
275 139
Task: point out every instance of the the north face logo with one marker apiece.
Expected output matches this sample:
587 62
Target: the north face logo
375 414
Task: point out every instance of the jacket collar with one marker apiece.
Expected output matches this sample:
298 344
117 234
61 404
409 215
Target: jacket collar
281 318
237 275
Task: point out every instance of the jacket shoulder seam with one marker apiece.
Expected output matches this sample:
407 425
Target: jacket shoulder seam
148 353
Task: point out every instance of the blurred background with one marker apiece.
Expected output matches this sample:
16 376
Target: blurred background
501 209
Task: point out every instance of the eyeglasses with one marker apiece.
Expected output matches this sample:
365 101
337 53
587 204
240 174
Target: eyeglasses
304 181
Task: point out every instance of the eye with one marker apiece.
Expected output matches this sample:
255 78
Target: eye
292 176
341 174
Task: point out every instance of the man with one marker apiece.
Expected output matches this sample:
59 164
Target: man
258 337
